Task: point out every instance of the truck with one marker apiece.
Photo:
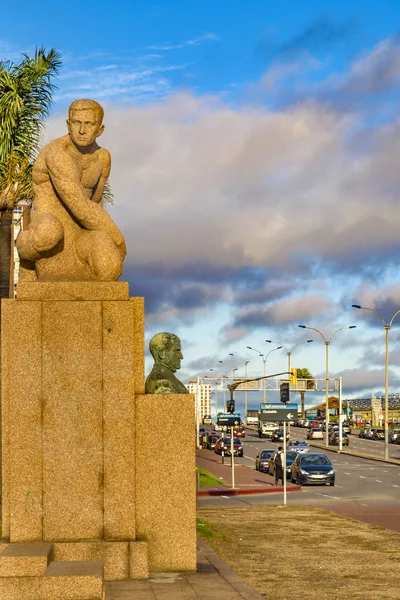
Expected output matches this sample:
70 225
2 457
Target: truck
252 417
266 429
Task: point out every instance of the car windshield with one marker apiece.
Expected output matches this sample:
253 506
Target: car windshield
314 459
266 453
291 455
317 429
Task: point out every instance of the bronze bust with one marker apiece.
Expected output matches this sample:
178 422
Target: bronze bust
165 348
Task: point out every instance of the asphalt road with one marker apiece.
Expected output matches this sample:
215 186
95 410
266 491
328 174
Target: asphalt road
359 482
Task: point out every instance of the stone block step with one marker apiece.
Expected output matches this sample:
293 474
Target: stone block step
25 559
69 580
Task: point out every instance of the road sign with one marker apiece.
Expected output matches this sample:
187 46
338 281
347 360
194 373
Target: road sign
228 420
278 412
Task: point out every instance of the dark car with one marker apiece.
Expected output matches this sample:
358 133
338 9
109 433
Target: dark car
379 434
312 468
290 456
211 440
262 459
237 446
334 438
277 436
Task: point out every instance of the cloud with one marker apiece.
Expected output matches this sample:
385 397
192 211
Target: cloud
167 46
290 310
365 381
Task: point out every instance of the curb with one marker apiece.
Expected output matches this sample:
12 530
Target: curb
239 492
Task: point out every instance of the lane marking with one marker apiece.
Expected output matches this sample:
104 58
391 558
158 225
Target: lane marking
364 504
378 481
345 473
249 457
396 486
362 477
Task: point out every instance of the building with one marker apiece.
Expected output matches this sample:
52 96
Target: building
20 222
202 393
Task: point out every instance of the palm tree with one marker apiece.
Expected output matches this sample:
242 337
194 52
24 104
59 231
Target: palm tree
25 101
309 385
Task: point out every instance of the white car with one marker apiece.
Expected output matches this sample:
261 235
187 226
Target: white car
315 433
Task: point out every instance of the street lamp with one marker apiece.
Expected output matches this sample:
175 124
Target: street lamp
327 342
264 359
387 326
245 391
223 378
289 352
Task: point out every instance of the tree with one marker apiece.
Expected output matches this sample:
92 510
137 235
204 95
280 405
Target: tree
26 91
309 385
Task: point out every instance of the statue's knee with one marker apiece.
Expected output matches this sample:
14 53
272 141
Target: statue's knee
106 259
46 232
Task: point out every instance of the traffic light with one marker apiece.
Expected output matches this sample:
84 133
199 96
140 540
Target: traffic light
285 395
293 378
231 406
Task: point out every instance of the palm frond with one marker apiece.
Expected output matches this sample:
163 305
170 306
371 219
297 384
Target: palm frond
26 92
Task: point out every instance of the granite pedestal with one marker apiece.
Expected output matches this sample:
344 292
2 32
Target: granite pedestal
81 469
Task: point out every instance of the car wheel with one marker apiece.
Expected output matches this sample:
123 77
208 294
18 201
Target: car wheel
332 483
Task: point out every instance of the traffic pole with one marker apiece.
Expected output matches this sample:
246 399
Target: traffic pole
232 459
284 463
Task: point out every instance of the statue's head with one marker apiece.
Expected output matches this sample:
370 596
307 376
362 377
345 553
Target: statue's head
165 348
85 122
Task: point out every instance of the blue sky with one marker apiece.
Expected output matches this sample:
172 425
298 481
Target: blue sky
255 169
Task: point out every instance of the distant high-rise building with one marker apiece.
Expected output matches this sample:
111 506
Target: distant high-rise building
204 401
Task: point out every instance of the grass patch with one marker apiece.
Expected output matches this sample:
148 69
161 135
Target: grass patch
207 479
317 554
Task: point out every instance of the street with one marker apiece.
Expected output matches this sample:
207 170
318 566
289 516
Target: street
362 486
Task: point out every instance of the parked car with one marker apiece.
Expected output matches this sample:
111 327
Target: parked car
362 432
334 439
298 446
211 440
262 459
202 433
226 442
312 468
394 435
290 456
315 433
379 434
370 433
277 436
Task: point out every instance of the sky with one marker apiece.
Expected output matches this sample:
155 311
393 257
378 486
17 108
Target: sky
255 150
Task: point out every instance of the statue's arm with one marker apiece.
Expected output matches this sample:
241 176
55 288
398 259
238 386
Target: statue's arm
65 177
105 174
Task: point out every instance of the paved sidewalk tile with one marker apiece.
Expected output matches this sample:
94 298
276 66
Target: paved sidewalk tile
213 579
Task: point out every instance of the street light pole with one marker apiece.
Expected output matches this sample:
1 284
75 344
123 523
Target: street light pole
327 343
289 352
245 392
264 359
387 326
223 378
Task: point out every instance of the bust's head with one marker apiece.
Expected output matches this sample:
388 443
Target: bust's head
85 122
165 348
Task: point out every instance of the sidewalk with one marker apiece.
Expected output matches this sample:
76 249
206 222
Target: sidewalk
213 579
247 480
